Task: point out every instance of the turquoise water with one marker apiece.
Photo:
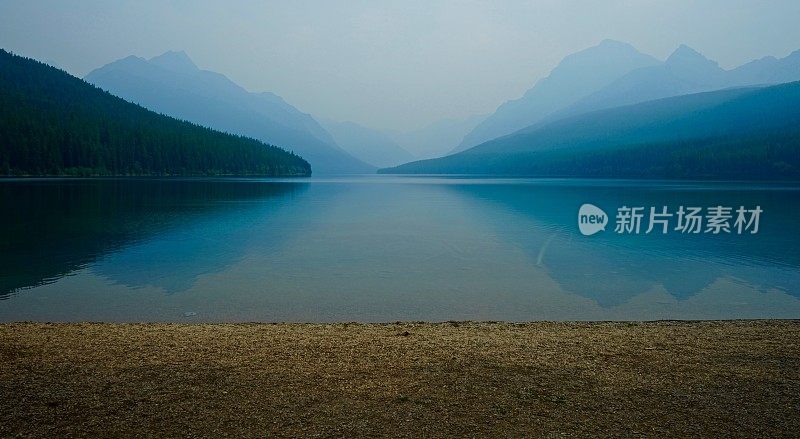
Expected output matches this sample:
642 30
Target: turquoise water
378 248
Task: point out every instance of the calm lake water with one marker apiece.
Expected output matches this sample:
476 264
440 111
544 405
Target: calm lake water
384 248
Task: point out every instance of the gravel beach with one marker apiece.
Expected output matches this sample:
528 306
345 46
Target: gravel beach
453 379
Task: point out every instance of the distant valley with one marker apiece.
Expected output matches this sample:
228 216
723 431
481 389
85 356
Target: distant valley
369 145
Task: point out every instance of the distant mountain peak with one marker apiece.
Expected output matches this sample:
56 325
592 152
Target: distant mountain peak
130 58
683 51
685 56
272 97
606 49
604 46
176 61
614 43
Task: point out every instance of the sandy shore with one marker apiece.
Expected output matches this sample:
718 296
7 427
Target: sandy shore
676 379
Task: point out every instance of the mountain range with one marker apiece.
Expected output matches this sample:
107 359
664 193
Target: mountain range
736 133
606 102
685 71
575 77
172 84
614 74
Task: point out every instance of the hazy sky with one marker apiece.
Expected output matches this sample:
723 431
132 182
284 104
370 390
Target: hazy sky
395 64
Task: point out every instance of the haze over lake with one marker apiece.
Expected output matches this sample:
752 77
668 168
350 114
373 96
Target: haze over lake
383 248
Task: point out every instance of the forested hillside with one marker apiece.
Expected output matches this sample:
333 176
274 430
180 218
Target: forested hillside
173 85
731 134
52 123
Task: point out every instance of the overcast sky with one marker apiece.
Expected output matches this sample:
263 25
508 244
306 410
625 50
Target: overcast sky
394 65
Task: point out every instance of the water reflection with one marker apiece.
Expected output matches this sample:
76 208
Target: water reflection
51 228
612 268
382 248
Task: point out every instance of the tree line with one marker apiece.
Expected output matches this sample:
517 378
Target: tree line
52 123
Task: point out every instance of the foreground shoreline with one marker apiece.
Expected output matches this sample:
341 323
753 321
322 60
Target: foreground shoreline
670 378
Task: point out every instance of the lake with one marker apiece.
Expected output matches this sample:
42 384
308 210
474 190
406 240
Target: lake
387 248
